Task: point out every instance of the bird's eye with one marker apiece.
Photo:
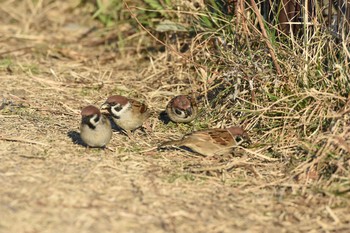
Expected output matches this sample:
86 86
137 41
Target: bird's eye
239 139
178 112
117 107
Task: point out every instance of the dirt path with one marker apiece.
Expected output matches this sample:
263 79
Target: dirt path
49 183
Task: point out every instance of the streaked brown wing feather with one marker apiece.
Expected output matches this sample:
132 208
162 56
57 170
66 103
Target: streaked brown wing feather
222 137
199 135
219 136
139 106
206 142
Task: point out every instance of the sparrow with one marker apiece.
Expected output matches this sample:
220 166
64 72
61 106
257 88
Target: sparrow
95 128
127 113
182 109
212 141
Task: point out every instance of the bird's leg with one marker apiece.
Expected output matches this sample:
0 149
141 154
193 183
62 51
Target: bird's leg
106 148
129 134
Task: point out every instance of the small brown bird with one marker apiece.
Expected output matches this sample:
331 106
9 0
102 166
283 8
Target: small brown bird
212 141
182 109
95 128
128 114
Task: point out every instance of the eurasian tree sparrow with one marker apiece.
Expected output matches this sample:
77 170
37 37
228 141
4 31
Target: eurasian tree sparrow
95 128
128 114
182 109
212 141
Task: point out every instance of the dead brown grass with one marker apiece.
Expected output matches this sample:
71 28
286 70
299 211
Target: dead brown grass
51 184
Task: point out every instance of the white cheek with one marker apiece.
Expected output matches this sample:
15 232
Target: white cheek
94 121
122 111
182 113
114 112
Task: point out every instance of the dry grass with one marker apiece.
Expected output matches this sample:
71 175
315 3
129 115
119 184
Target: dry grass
50 183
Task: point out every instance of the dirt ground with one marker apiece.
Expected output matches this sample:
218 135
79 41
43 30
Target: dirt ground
51 183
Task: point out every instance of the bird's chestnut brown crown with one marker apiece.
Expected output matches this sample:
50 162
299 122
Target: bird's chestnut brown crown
182 102
117 99
90 110
238 131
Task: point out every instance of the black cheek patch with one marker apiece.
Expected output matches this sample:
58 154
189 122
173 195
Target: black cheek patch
97 119
178 112
239 139
116 108
87 120
188 112
91 126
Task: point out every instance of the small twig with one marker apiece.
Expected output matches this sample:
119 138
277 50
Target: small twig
22 140
33 157
149 149
15 50
227 166
272 184
262 26
258 154
333 215
2 106
85 34
110 149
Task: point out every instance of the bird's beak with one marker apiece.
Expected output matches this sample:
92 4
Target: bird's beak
189 112
105 106
85 120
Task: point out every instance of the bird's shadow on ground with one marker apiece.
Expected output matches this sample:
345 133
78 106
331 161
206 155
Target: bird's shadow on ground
163 116
115 127
119 130
178 148
75 137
